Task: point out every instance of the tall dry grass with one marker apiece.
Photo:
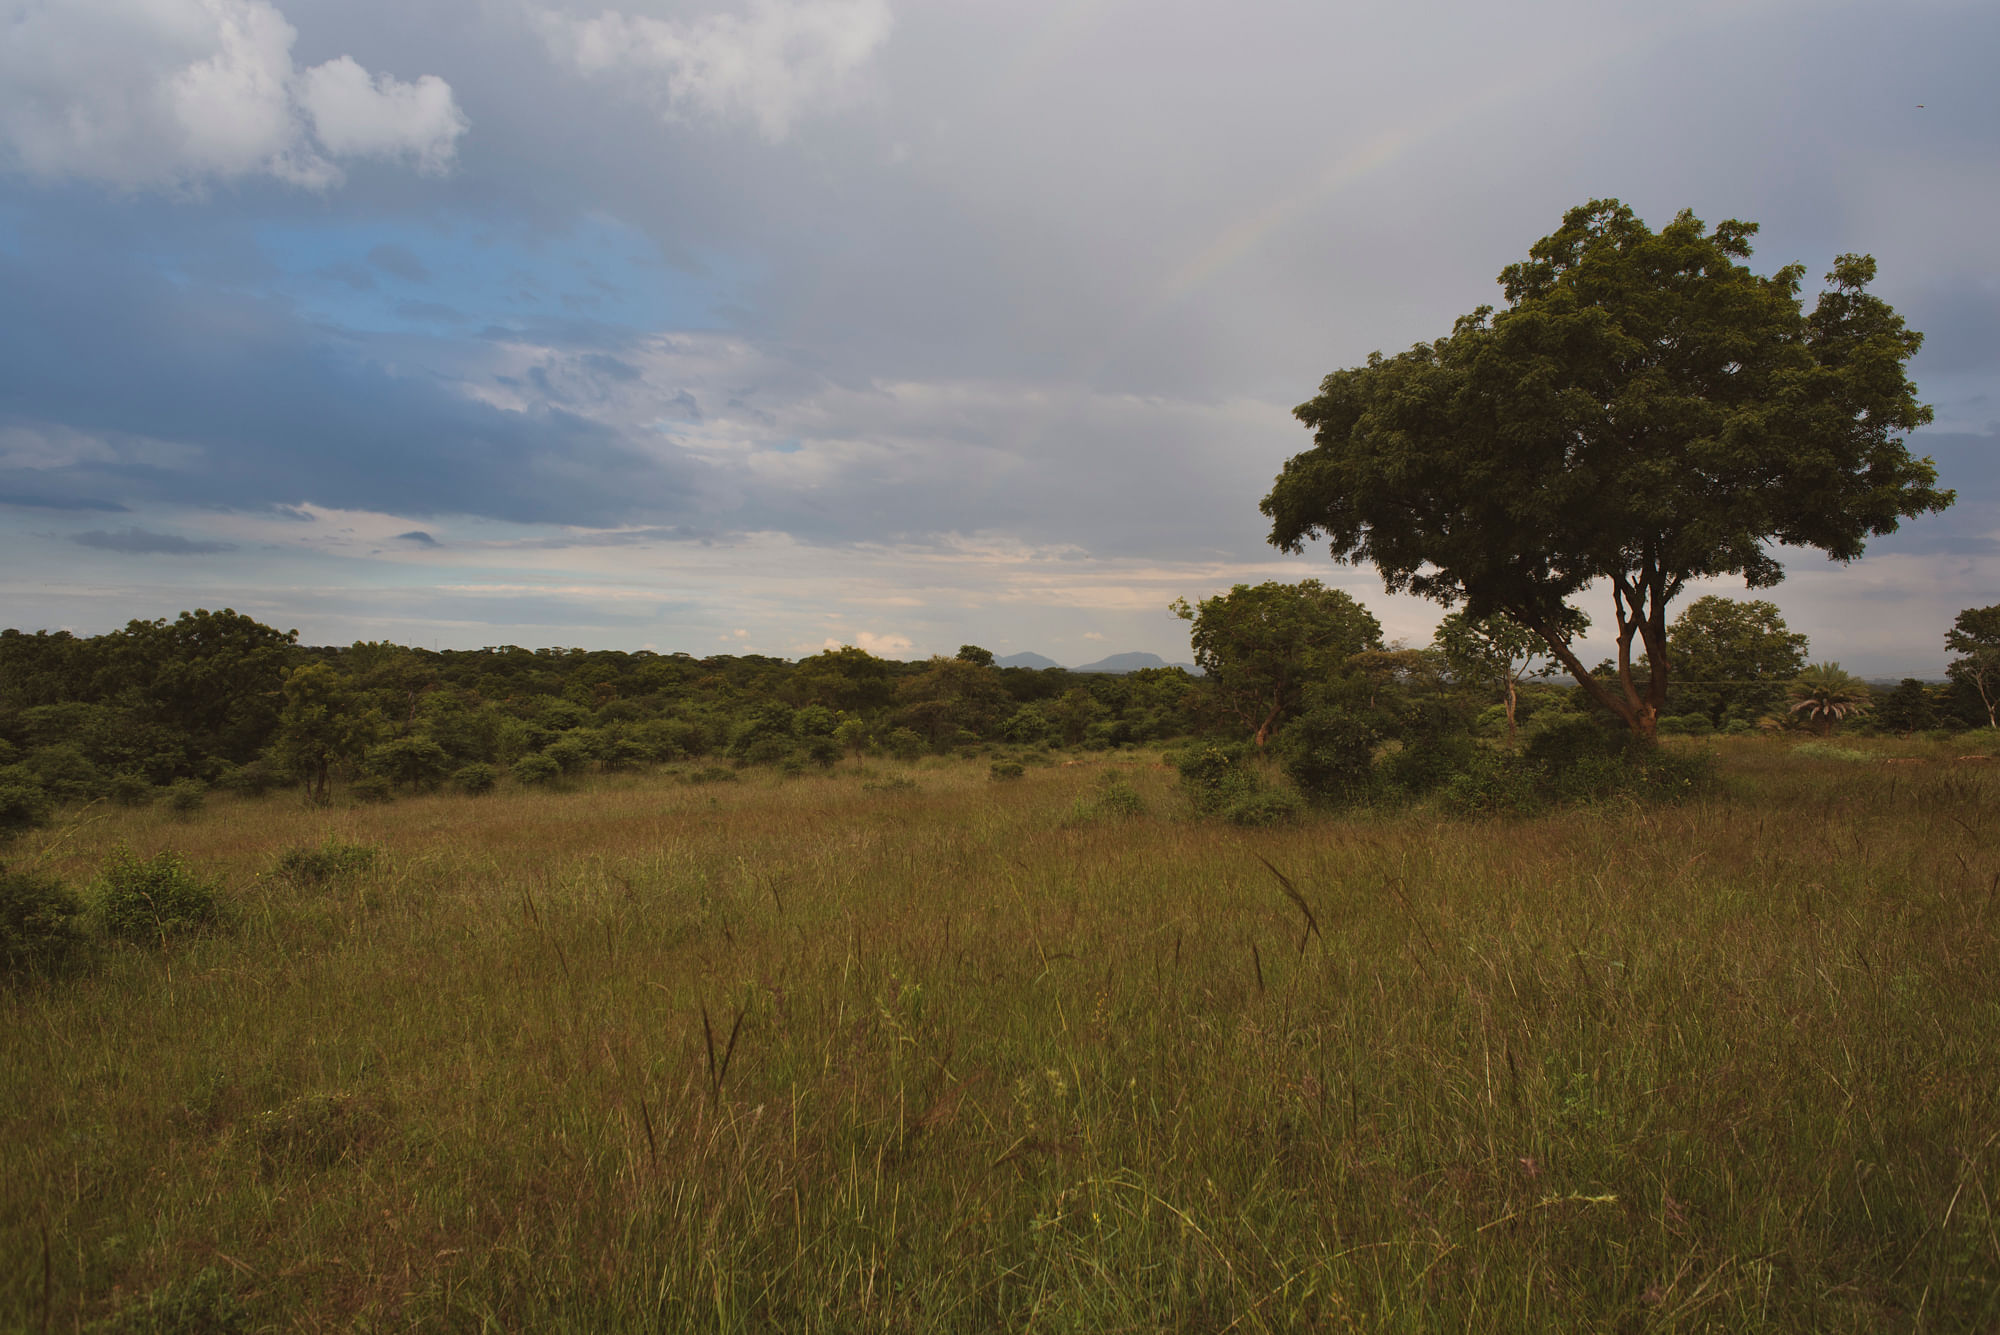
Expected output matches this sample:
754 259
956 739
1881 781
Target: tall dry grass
810 1055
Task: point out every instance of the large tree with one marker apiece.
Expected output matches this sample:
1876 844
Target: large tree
1645 411
1260 645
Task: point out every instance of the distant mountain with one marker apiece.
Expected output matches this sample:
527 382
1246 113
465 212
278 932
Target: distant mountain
1026 661
1130 663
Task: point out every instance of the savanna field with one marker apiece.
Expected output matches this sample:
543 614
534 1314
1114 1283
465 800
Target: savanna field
906 1048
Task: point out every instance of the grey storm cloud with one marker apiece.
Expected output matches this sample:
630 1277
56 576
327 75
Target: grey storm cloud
1047 272
140 542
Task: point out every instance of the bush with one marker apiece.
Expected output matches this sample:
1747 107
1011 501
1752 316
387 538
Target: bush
1493 783
130 790
1006 770
1329 755
1828 751
310 868
1264 806
417 762
536 770
712 774
1214 775
38 923
372 789
185 797
255 779
904 744
23 803
1570 739
476 779
154 898
1426 764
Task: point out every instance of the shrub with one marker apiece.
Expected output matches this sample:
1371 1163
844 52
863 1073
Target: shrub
255 779
23 803
310 868
712 774
768 749
1329 755
1116 797
476 778
536 770
1006 770
154 898
38 923
417 762
372 789
823 751
1425 764
185 797
1570 738
1493 783
130 790
904 744
1264 806
1214 775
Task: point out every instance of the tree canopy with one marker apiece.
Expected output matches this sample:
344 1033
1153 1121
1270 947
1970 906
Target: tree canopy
1259 646
1645 411
1734 658
1975 634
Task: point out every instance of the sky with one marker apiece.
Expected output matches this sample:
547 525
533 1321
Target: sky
769 325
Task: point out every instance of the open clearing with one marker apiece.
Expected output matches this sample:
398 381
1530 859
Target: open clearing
833 1054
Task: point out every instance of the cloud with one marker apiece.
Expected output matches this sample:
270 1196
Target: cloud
138 541
174 93
399 261
882 646
771 64
417 536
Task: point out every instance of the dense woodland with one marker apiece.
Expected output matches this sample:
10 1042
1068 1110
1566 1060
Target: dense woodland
218 699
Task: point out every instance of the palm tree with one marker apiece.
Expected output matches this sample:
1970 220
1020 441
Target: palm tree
1826 695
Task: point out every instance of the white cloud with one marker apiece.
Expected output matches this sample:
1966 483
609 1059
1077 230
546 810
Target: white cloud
145 93
770 64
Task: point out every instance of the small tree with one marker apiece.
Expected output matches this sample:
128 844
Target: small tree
1976 635
1495 653
1825 695
318 728
1260 646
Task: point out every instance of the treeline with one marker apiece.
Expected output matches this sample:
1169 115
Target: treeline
219 699
216 698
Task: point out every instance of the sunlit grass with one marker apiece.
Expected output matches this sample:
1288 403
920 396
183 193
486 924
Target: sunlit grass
1721 1066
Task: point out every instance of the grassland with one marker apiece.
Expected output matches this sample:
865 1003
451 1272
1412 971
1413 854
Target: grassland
824 1054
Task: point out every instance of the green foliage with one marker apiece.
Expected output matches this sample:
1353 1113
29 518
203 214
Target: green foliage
39 927
253 778
202 1304
1910 708
130 790
1733 658
1006 770
475 779
372 789
1213 775
712 774
24 803
319 728
1329 755
1265 806
536 770
414 762
904 744
185 797
1646 411
153 899
1260 646
311 867
1824 694
1975 634
1828 751
1427 761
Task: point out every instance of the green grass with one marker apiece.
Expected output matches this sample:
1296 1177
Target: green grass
821 1054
